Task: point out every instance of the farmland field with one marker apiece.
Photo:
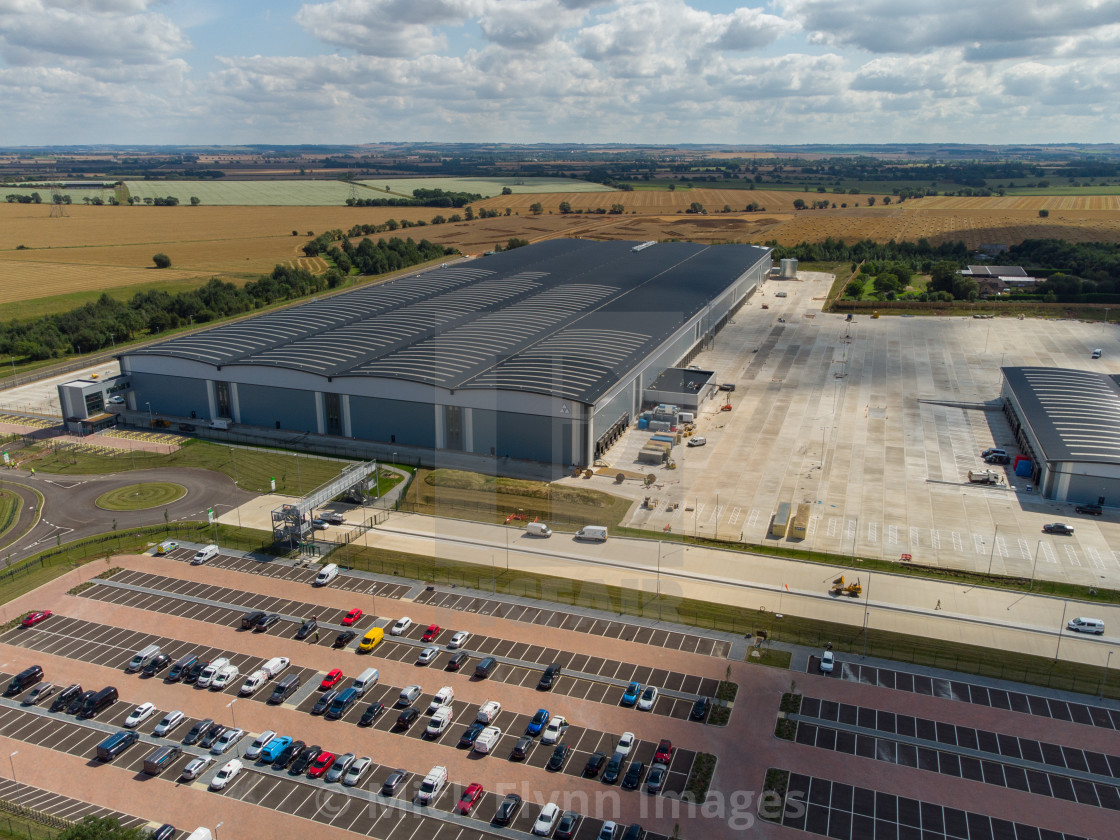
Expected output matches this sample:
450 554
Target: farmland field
485 186
76 196
248 193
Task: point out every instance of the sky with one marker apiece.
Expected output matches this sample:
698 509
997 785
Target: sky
579 71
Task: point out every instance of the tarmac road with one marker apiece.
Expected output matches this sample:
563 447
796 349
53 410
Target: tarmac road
69 510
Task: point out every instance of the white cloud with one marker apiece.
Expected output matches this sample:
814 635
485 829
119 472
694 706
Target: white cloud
386 27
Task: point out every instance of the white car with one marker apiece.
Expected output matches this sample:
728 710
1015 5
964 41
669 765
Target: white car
227 739
259 743
224 776
557 726
196 767
648 698
210 671
625 743
439 721
356 771
116 399
697 441
427 655
401 625
140 714
443 698
224 677
458 640
608 831
550 813
169 722
828 662
488 711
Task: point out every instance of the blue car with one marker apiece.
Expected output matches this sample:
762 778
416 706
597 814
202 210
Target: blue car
273 749
631 695
539 722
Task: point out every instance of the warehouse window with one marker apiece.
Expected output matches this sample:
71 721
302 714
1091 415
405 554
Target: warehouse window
453 417
334 413
221 397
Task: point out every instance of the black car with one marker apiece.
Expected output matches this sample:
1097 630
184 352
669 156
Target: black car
614 769
164 832
548 677
249 620
344 638
265 622
373 712
507 809
457 661
79 702
197 731
191 674
65 697
468 738
568 826
1092 510
212 734
656 778
727 386
288 755
521 748
24 680
308 627
324 701
594 764
406 718
634 832
558 757
304 759
157 664
393 783
633 776
700 708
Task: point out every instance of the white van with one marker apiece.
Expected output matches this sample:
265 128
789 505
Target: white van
224 677
1087 625
326 574
254 681
538 529
201 834
220 424
210 671
275 665
207 552
365 680
592 533
142 658
431 786
487 739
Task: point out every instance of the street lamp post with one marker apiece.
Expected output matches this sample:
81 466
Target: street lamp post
866 613
493 575
1034 566
219 825
232 714
12 761
1104 682
1061 628
151 421
659 580
995 539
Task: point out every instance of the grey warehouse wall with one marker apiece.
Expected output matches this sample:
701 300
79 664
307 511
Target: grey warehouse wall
263 405
175 395
393 421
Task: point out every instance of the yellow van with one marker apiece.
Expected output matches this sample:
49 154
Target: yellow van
371 640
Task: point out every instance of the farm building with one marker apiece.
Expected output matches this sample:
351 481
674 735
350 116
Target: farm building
542 353
1068 423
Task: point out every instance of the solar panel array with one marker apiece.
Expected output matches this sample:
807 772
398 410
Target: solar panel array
564 317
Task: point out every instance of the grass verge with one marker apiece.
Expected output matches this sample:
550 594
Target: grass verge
784 728
774 790
699 778
148 494
251 469
9 511
770 656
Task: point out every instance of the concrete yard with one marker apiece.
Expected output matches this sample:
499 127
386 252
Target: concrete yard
855 419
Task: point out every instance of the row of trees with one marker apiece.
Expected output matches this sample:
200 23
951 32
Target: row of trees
107 321
420 198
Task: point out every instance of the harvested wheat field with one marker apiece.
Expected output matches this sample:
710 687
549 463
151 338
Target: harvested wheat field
663 201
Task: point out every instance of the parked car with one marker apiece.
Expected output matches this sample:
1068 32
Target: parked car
289 754
633 776
549 677
373 712
339 767
66 696
537 722
265 622
457 661
352 616
568 826
488 711
1058 528
249 620
555 730
594 764
191 674
634 832
393 782
156 664
271 750
196 767
197 731
507 809
230 736
401 625
186 427
309 626
697 441
140 714
443 697
212 735
304 759
656 778
625 743
438 722
631 694
558 757
39 693
320 524
648 698
828 662
406 718
664 751
79 702
333 678
226 775
468 738
1091 510
427 655
408 695
458 640
521 749
320 764
324 702
613 769
344 638
700 708
168 724
431 633
356 770
470 797
33 618
546 820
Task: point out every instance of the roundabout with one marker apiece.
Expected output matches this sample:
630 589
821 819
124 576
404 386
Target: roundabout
142 496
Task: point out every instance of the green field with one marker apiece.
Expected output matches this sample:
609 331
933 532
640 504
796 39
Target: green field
1113 189
250 468
403 187
76 196
249 193
141 496
9 511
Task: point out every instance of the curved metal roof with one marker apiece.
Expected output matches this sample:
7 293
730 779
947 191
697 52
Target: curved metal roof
563 317
1074 414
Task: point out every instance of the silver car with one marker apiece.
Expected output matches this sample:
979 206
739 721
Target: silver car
357 769
196 767
408 695
169 722
227 739
339 767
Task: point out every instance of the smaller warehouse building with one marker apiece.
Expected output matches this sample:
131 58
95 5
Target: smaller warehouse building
1068 423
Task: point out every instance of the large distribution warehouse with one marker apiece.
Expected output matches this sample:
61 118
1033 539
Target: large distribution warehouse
541 353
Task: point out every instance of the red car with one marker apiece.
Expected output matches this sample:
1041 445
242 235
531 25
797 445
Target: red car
319 765
664 751
431 633
35 617
471 795
352 616
332 679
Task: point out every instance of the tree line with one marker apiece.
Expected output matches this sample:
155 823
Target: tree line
420 198
106 322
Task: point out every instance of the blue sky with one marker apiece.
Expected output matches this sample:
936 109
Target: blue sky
629 71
